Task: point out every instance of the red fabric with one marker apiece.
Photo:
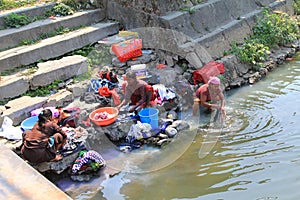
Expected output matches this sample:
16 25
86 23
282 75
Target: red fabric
109 76
104 91
212 68
136 98
149 88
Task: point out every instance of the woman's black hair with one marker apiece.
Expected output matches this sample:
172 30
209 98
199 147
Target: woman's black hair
44 116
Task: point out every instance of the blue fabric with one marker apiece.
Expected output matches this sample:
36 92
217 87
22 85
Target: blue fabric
95 84
51 141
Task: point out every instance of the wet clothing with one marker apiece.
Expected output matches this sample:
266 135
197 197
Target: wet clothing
203 90
36 147
208 96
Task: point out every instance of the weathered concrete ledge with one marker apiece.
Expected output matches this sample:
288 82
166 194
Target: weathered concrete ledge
12 86
205 18
196 21
55 46
20 181
62 69
33 31
218 41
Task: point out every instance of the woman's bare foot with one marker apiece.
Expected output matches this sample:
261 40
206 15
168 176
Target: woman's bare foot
58 157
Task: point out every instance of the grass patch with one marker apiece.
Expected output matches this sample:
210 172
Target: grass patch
15 20
18 69
44 91
13 4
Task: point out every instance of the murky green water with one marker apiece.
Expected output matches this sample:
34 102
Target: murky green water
255 156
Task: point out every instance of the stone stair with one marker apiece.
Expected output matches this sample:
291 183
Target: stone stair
91 28
216 23
34 31
33 11
55 46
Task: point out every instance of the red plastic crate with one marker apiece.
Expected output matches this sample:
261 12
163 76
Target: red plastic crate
128 49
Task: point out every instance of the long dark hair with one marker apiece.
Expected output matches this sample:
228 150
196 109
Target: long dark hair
44 116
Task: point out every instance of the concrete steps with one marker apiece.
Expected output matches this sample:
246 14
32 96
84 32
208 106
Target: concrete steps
196 23
32 11
55 46
224 25
12 86
34 31
19 177
63 69
51 51
18 180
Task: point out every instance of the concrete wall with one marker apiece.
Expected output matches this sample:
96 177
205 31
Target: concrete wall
213 24
200 18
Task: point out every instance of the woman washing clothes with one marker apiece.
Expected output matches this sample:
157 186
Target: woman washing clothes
208 98
44 140
137 93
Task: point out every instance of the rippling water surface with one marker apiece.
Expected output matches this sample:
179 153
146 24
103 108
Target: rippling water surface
256 155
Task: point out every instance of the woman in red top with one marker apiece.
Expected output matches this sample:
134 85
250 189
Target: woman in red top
209 96
42 142
136 92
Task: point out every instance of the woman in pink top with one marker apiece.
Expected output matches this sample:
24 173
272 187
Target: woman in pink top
209 96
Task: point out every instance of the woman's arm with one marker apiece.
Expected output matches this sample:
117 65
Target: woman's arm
196 106
57 129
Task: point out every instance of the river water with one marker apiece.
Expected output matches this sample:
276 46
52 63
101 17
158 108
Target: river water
255 155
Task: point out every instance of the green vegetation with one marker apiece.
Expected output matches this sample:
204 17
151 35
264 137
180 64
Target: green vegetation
99 55
296 5
190 10
251 52
276 29
12 4
15 70
15 21
271 30
43 91
60 9
73 4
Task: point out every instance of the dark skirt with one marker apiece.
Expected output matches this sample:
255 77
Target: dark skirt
37 155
